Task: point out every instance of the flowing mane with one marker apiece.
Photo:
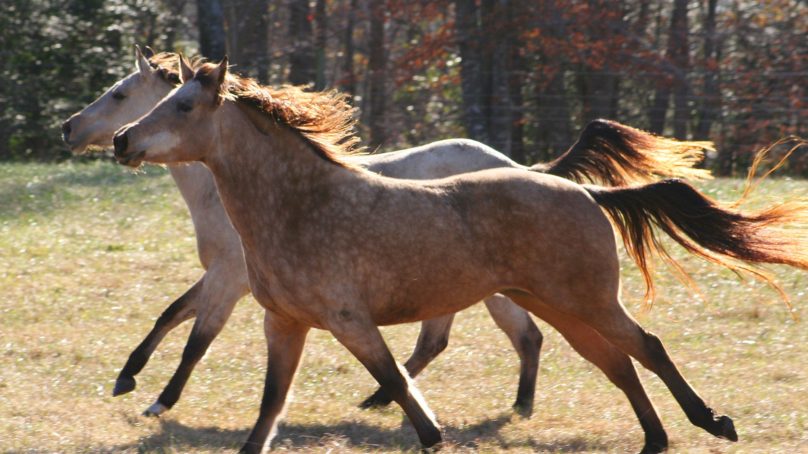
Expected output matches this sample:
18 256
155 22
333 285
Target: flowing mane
323 118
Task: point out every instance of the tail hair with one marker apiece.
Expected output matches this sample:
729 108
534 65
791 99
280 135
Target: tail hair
618 155
702 226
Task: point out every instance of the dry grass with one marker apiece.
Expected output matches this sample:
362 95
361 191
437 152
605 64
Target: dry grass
91 254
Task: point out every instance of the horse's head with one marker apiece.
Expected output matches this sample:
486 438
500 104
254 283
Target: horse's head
127 100
182 126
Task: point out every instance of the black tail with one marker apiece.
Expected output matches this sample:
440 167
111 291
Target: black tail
617 155
703 227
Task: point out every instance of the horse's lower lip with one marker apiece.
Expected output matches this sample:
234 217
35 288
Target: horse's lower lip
132 160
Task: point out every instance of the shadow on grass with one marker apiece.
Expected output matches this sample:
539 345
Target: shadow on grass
350 434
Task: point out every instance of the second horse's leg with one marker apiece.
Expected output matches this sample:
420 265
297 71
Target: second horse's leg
216 302
180 310
432 340
526 339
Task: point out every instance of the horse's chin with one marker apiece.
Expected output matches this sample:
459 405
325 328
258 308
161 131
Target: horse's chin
88 146
133 160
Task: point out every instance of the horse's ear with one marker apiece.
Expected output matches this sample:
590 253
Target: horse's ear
148 52
220 72
186 73
141 63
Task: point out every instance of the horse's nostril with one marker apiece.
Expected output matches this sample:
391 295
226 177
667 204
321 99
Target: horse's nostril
120 141
66 129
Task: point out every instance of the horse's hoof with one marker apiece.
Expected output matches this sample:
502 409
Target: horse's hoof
727 429
155 410
377 400
123 385
654 447
434 448
432 442
523 409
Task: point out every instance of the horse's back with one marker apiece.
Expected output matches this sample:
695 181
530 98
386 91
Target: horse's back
436 160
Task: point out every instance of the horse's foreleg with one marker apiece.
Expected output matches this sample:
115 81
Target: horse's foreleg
362 338
526 339
285 340
180 310
216 302
432 340
615 364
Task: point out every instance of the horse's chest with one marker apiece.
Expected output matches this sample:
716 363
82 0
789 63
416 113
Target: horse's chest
283 294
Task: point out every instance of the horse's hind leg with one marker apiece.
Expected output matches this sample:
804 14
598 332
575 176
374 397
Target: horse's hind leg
613 362
180 310
612 322
217 299
526 339
362 338
432 340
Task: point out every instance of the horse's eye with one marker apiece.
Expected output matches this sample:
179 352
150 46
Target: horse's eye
184 107
118 96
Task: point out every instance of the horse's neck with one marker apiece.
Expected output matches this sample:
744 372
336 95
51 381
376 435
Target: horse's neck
265 172
195 183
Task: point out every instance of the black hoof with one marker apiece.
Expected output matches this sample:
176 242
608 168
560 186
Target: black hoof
726 429
433 444
434 448
523 409
250 448
123 385
654 447
377 400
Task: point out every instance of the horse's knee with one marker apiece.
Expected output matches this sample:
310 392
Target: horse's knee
439 345
430 346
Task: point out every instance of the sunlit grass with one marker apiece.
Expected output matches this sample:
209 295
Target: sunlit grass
91 254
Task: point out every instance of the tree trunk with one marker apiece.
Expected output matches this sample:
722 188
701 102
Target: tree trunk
210 20
247 36
496 69
553 134
471 80
711 103
681 61
348 76
174 22
598 84
674 76
320 44
301 58
376 67
516 80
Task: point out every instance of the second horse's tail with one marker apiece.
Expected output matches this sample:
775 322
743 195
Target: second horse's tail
617 155
725 236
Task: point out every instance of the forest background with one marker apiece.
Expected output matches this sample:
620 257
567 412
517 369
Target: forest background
523 76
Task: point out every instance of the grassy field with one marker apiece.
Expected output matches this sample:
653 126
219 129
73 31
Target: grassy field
90 254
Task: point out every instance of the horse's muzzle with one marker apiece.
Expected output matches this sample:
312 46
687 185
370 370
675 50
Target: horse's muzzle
121 143
66 131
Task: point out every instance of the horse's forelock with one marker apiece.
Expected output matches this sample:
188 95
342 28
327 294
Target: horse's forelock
165 65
